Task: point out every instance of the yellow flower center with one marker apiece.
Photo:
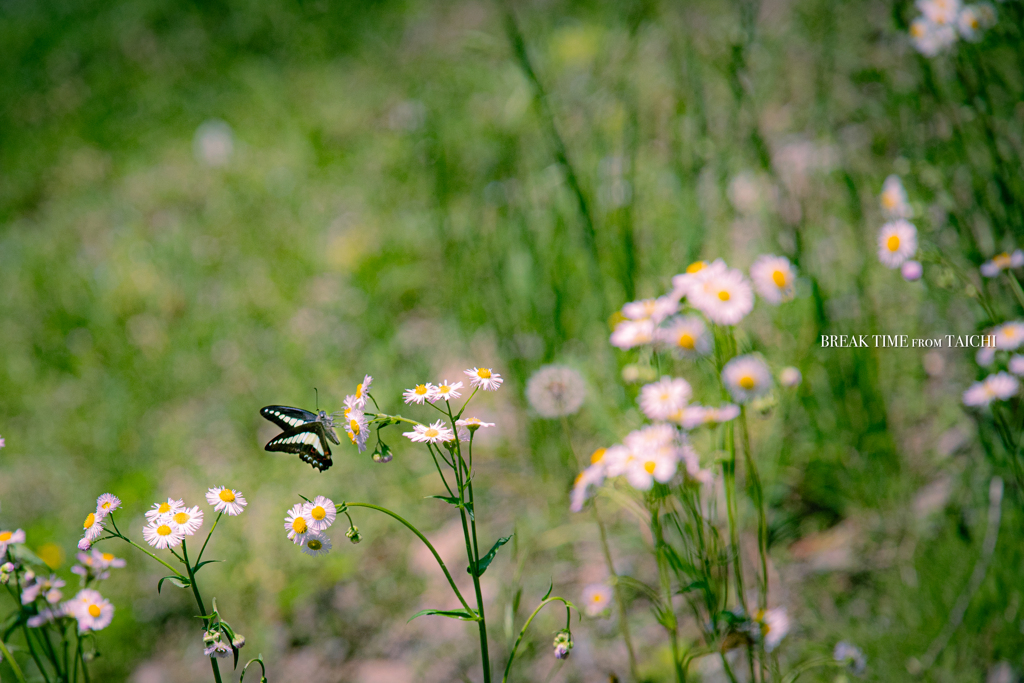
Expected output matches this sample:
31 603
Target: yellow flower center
164 530
299 525
6 536
181 517
597 455
106 505
90 520
94 611
577 479
314 544
421 389
164 508
889 198
318 512
354 426
649 466
483 373
359 390
779 278
443 388
747 382
893 243
431 433
687 341
227 495
724 295
596 598
695 267
107 557
1002 260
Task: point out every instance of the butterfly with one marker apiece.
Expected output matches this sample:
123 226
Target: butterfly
305 434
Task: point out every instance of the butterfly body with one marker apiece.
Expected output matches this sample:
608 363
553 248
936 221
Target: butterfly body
305 434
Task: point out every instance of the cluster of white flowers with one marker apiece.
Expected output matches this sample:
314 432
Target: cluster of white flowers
998 386
479 378
943 22
1008 339
356 425
647 455
169 522
722 295
93 524
897 240
307 522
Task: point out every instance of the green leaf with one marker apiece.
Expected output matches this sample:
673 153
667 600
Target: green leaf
451 500
551 587
179 581
485 561
195 570
461 614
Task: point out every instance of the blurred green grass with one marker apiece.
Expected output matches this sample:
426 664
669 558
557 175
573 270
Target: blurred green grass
393 205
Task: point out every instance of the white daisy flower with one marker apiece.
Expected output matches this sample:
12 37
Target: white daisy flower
485 378
470 425
682 283
897 242
588 479
92 610
187 520
434 433
357 427
420 393
228 501
746 377
556 390
894 198
722 294
985 356
92 526
9 538
1016 364
169 507
653 465
654 310
687 336
617 459
912 271
629 334
939 11
295 524
1009 336
320 513
774 277
931 39
662 399
723 413
774 626
214 645
160 534
448 392
106 560
790 377
597 598
316 544
47 587
1002 262
996 387
362 389
968 24
106 504
691 416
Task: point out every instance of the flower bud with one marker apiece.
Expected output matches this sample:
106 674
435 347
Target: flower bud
7 567
353 534
210 637
84 544
563 644
238 642
383 453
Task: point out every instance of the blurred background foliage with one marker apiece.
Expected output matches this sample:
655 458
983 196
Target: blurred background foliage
209 207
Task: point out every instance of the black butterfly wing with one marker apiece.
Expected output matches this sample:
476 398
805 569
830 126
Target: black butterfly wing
287 417
308 441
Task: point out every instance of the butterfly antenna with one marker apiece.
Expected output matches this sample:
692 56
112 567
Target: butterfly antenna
315 391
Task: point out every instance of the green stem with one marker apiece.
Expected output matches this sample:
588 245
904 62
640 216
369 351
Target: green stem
9 658
423 538
476 587
203 549
81 659
758 496
522 632
729 484
1015 286
619 599
202 607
